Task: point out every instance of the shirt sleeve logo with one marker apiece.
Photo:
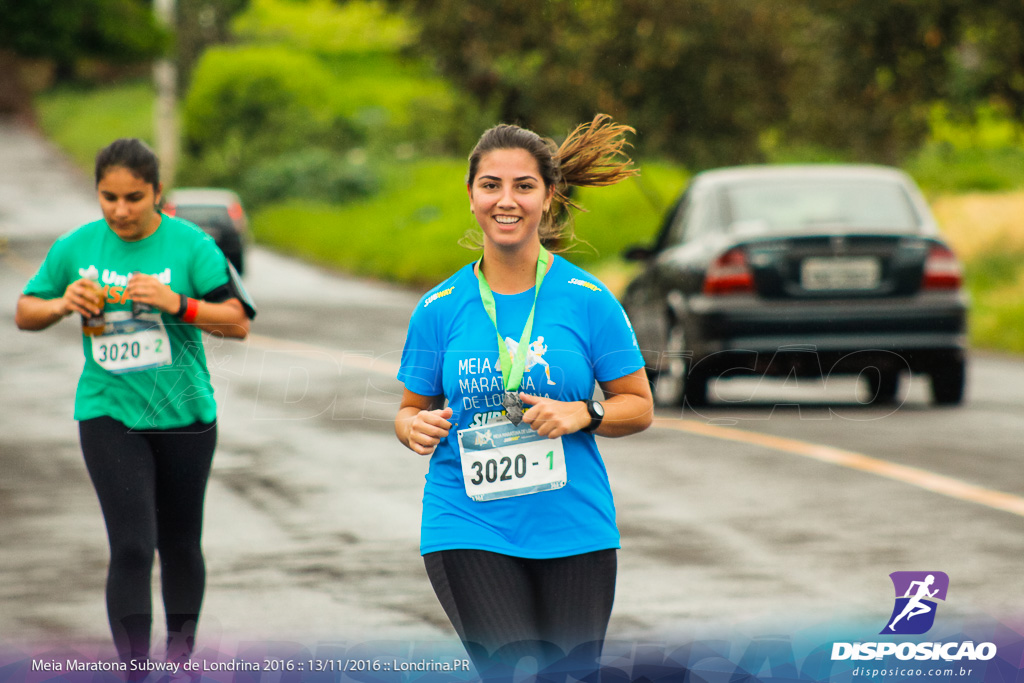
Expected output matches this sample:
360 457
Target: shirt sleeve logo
437 295
584 283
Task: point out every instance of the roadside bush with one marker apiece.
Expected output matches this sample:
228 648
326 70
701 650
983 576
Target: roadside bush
315 174
248 105
325 27
982 151
397 100
940 167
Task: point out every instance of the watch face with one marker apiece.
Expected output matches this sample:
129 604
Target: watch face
597 409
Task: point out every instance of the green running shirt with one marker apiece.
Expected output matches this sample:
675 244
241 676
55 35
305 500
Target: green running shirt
181 256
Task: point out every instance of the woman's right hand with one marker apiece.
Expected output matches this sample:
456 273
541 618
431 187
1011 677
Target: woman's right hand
427 429
82 296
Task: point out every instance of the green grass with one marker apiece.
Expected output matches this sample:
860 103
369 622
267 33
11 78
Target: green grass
83 121
410 231
407 233
943 169
996 283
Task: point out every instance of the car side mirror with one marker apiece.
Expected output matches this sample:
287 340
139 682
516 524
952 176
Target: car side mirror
637 253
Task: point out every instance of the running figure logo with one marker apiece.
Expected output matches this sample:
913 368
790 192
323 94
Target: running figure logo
916 593
534 355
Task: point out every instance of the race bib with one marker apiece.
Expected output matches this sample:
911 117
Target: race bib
505 460
132 344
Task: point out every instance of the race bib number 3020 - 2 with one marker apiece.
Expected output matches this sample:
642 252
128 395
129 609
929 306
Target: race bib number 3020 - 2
505 460
132 345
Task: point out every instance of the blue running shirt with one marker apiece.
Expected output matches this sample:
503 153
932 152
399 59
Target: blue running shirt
580 334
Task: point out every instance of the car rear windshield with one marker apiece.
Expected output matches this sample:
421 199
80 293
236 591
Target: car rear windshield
810 204
204 215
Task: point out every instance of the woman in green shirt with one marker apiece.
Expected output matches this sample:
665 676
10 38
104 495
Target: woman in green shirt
145 285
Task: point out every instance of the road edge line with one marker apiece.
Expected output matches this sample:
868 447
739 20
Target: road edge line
923 479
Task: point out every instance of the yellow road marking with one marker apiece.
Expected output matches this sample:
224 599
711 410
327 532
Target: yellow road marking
913 476
363 360
929 481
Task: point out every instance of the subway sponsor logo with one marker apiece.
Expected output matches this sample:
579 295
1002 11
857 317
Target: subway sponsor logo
437 295
584 283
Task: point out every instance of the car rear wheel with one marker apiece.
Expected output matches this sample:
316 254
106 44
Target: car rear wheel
675 381
948 380
883 385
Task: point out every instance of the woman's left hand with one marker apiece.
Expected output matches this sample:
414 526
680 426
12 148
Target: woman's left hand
146 289
552 418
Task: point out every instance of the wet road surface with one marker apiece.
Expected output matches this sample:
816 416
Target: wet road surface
777 507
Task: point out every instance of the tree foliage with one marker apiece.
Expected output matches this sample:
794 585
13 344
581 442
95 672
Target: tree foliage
275 99
121 30
710 81
200 25
992 53
696 90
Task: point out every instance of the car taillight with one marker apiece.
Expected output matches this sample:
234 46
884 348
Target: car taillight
729 274
941 270
168 209
235 211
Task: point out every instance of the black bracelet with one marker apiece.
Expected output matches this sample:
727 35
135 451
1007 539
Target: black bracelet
182 307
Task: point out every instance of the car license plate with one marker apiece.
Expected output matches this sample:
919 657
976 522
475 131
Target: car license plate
819 274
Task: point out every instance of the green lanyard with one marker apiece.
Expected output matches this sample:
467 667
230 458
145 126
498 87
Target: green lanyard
512 371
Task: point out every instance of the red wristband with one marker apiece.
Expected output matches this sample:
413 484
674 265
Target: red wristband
191 311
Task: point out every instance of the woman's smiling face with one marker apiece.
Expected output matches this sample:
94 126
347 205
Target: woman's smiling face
508 197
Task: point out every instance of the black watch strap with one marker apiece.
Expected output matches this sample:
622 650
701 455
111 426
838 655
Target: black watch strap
596 411
182 306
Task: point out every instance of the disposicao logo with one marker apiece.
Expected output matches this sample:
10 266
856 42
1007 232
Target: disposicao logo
913 614
916 595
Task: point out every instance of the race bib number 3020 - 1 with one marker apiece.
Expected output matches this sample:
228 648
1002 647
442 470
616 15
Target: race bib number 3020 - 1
505 460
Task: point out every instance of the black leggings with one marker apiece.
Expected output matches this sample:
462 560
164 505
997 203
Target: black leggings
151 486
507 608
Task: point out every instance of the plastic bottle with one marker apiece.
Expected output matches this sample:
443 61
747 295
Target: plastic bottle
138 308
93 325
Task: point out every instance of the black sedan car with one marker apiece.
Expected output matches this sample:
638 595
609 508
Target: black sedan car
814 270
218 212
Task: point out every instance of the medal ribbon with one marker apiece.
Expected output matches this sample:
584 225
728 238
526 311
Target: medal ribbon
512 370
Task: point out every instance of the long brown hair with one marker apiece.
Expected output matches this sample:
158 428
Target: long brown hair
592 156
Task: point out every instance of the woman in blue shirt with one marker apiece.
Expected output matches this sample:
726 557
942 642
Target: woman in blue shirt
518 532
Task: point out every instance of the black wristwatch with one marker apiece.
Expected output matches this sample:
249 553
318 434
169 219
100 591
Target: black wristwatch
596 411
182 306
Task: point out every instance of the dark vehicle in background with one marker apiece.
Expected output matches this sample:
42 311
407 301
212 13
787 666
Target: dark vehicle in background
218 212
815 271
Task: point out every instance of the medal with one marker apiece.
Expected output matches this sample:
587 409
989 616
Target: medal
513 407
512 368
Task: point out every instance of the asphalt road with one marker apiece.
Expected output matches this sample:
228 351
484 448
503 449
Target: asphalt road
780 507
